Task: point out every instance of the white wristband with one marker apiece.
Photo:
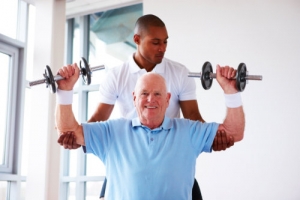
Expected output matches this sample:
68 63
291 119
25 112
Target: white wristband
64 97
233 100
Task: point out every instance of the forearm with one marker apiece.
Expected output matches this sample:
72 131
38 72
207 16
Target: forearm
196 116
234 123
65 120
190 110
102 112
64 116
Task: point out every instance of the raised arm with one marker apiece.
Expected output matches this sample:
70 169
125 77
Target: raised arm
234 122
64 116
191 111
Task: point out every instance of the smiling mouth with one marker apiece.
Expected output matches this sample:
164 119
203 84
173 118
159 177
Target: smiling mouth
150 107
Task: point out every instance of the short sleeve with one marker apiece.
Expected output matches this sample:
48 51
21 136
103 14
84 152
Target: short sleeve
202 136
188 86
108 88
97 139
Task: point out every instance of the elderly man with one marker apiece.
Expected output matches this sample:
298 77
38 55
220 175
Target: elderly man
152 156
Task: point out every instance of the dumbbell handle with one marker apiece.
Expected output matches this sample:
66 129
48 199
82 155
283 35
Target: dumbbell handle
213 75
59 77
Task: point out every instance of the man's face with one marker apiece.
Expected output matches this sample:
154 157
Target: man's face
151 99
153 44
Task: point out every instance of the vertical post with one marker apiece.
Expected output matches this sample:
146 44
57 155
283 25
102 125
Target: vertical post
82 103
44 152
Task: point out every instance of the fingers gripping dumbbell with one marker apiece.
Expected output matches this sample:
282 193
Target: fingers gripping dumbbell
207 76
49 79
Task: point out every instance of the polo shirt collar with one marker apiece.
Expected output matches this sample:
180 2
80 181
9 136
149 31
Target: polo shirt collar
166 125
134 68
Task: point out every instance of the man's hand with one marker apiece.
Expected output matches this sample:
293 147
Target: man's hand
222 142
226 79
70 73
68 141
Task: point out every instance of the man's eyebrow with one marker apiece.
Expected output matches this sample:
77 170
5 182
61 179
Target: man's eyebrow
159 38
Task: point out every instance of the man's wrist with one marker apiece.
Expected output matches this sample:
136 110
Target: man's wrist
64 97
233 100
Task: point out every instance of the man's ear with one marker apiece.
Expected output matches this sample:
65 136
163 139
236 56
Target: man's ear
136 39
134 97
168 97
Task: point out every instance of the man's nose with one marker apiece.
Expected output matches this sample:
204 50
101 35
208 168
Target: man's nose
150 98
162 48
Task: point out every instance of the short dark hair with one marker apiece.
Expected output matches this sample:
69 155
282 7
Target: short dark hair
145 21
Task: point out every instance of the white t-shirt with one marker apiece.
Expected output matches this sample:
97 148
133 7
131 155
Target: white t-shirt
119 83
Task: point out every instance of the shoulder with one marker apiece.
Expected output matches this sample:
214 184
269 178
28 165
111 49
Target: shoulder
169 62
176 71
182 122
116 73
193 125
118 68
110 124
119 121
174 67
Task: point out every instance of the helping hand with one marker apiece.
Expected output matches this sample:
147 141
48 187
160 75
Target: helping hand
68 140
221 141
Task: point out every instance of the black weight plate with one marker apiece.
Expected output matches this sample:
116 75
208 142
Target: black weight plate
206 81
50 82
85 71
241 77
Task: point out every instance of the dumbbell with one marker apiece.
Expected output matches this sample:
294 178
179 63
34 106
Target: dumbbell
207 76
49 79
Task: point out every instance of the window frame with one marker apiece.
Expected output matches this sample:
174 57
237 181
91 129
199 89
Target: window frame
11 174
16 93
13 53
16 51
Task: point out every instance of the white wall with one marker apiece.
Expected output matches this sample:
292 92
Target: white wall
266 36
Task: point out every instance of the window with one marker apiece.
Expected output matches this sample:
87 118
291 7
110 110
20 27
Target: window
102 38
12 88
5 60
8 57
9 18
13 33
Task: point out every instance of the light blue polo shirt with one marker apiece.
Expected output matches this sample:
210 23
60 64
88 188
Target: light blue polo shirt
144 164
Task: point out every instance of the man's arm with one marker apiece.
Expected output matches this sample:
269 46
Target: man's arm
190 110
64 116
102 112
66 123
234 123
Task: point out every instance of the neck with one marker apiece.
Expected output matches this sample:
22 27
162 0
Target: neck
143 63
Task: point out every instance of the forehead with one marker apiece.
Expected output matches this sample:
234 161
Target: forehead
152 83
157 32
